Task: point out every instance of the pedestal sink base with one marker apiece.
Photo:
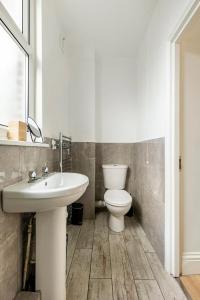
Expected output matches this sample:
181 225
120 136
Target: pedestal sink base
51 254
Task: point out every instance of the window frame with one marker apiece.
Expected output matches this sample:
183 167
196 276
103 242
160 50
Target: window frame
27 44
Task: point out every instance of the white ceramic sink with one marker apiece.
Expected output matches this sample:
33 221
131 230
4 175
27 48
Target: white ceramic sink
57 190
48 197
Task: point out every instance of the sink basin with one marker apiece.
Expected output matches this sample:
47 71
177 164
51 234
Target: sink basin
48 197
56 190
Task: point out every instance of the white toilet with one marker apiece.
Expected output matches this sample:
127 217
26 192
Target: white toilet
117 200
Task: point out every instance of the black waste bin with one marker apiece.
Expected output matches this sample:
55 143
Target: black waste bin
77 213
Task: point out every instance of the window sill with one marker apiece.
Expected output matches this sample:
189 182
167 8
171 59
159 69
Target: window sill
22 144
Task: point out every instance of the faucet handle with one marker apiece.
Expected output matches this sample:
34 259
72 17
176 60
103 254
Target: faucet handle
45 170
32 175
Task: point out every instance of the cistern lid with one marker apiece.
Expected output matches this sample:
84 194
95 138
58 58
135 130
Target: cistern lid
114 166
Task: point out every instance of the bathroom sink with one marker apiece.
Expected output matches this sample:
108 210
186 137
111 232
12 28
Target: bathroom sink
56 190
48 197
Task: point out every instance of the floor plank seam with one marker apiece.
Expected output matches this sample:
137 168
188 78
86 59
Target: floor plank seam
172 279
136 289
84 231
126 251
186 292
110 264
156 279
191 293
110 278
128 257
110 258
140 239
73 254
91 262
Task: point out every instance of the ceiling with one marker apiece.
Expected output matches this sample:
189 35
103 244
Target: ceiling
113 27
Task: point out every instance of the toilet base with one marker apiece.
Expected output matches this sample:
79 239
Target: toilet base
116 223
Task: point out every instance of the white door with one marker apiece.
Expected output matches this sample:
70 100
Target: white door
190 152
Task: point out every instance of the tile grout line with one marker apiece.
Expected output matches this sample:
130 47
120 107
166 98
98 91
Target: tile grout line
145 251
73 254
109 248
136 288
110 262
111 279
147 260
151 280
130 263
155 278
103 226
110 258
169 275
91 258
92 249
184 290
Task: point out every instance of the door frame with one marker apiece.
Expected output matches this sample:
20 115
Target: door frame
173 259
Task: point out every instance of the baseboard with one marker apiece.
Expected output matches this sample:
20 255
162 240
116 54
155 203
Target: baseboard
191 263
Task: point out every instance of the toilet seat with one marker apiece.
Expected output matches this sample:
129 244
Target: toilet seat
117 197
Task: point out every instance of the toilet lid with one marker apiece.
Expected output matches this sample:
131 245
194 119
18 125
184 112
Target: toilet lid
117 197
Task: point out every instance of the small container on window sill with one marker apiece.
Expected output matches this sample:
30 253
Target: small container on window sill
3 133
17 131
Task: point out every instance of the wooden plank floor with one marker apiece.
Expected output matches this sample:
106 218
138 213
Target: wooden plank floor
28 296
192 286
103 265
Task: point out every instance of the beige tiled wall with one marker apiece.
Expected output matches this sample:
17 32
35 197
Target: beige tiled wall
148 189
83 161
15 162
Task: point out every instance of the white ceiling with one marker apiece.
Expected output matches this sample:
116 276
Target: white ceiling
113 27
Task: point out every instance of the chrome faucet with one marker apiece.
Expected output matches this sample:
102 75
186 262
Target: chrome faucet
32 176
45 171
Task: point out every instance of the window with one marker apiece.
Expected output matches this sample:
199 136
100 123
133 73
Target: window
16 60
14 8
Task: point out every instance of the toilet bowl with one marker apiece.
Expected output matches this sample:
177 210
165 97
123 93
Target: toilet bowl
118 203
117 200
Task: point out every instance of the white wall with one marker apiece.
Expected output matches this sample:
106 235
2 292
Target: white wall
102 97
81 63
115 100
109 84
55 108
137 93
114 84
117 87
153 97
153 69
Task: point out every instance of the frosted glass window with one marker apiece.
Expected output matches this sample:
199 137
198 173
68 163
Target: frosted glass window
15 9
13 82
